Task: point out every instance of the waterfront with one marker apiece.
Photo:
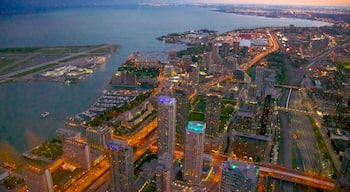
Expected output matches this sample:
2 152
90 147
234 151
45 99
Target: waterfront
22 103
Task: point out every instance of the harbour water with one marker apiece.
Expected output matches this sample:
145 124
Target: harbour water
134 28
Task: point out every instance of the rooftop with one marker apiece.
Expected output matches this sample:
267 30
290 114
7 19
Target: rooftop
196 126
163 99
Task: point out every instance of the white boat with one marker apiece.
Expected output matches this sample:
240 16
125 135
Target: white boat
45 114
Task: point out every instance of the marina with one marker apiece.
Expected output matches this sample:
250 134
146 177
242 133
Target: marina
108 100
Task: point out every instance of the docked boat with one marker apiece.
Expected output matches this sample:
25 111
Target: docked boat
45 114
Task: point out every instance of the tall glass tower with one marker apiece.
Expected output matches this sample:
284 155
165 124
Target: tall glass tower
193 153
121 166
166 125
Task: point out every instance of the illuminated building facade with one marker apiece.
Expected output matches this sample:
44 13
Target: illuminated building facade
212 115
37 179
98 137
238 176
182 104
166 125
76 153
121 166
193 153
343 180
164 173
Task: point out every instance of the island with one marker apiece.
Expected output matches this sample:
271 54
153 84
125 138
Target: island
60 64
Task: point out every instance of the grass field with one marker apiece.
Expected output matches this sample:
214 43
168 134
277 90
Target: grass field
35 70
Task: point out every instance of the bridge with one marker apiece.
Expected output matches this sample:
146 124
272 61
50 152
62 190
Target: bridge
284 174
292 110
291 175
290 87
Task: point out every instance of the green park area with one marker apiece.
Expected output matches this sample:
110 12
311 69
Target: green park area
276 62
49 149
198 112
11 182
129 67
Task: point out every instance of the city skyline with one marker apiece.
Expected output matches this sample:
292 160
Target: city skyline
200 97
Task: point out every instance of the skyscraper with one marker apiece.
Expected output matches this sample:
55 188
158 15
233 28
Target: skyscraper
225 49
259 79
37 178
121 166
343 180
212 115
182 104
238 176
98 137
193 153
166 125
164 173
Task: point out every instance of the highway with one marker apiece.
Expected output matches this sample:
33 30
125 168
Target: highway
306 141
275 47
295 120
289 175
141 134
90 177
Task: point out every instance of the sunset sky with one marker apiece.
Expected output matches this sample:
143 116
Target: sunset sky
284 2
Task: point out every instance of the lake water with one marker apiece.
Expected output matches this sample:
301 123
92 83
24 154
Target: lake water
133 28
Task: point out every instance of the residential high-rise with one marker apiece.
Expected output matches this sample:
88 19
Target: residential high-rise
77 153
166 125
37 178
238 176
225 49
343 180
207 60
193 153
215 54
259 79
236 47
164 173
212 115
121 166
98 137
182 105
193 72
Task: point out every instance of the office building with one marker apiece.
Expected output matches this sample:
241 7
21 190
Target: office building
193 153
123 78
343 180
121 166
98 137
166 125
212 115
238 176
164 173
37 179
182 105
76 153
66 133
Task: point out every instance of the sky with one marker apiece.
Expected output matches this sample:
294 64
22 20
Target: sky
279 2
32 5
